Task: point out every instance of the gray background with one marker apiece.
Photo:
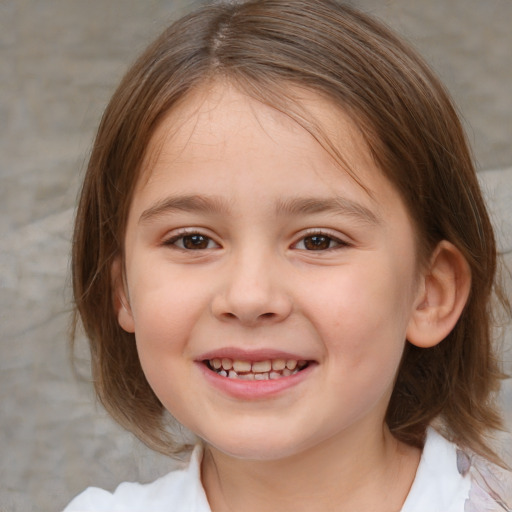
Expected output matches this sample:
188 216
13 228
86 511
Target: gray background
59 62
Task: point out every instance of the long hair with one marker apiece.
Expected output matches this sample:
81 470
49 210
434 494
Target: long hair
413 133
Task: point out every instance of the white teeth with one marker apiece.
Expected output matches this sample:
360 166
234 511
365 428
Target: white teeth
261 366
258 370
278 364
291 364
227 364
242 366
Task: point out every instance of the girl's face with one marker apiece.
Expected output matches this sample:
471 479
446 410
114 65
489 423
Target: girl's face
270 294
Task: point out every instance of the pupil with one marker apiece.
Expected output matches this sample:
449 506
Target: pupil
317 242
195 242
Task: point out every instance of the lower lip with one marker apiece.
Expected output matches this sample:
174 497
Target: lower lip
253 389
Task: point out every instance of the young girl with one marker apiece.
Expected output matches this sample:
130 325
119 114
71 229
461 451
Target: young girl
281 242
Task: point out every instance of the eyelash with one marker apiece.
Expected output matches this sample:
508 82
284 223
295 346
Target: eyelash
189 235
340 244
322 236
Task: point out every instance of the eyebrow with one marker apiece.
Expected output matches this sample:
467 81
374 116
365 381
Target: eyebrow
186 203
292 206
336 205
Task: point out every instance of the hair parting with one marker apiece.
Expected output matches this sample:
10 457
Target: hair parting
271 50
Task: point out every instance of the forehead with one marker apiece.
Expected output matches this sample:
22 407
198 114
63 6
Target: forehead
219 115
220 135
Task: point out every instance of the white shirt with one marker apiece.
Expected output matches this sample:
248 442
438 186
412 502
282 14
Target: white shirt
437 487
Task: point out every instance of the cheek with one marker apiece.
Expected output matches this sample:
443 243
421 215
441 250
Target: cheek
165 311
363 300
165 318
362 317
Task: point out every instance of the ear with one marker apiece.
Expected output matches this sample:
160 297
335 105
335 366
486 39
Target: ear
121 298
443 293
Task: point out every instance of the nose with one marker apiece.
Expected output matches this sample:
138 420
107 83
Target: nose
253 292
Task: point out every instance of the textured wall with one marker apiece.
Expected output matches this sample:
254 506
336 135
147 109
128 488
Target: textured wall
59 62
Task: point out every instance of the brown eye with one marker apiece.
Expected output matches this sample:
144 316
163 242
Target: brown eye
195 242
192 242
317 242
320 242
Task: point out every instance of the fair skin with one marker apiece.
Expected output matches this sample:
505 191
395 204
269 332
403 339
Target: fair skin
246 242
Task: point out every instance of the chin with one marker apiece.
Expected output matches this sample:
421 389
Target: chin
260 446
257 453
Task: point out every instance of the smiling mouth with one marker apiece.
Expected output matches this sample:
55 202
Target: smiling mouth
257 370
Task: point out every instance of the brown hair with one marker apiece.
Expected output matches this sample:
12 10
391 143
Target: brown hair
413 132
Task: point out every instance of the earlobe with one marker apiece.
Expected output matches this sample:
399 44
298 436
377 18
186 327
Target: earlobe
120 297
442 295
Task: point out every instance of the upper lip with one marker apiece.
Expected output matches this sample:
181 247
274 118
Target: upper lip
255 355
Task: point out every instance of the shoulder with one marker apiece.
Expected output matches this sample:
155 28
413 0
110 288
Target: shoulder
178 491
491 485
451 480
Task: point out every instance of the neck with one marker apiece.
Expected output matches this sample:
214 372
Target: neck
357 472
